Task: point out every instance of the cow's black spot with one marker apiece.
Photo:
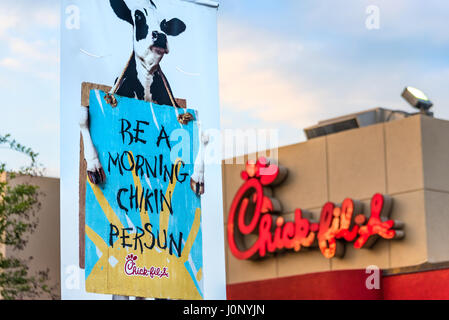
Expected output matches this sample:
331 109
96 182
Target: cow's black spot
159 92
131 86
174 27
140 25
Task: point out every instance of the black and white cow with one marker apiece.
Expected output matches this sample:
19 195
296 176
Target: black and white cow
142 78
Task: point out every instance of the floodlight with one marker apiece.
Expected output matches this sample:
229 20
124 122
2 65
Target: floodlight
417 99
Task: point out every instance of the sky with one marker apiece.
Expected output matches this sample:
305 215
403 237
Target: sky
283 64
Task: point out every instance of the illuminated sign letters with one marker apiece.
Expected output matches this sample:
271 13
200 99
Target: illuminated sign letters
254 212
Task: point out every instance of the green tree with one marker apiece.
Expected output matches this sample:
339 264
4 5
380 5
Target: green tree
19 203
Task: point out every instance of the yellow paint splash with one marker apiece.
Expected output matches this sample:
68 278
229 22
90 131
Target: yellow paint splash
108 276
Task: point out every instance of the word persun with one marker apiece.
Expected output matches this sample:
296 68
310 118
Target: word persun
145 239
251 213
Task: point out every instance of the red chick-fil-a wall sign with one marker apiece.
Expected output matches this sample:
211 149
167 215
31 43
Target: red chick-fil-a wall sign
253 211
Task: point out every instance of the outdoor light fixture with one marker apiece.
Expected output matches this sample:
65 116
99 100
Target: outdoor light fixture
417 99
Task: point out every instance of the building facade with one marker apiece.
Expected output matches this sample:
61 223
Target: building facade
43 244
403 160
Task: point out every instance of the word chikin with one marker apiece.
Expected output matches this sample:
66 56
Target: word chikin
253 212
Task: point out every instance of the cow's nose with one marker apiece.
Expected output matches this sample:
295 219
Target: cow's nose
159 40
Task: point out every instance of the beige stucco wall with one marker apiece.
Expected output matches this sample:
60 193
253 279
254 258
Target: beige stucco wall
43 244
407 159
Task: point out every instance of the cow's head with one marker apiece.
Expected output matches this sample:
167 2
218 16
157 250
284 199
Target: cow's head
150 32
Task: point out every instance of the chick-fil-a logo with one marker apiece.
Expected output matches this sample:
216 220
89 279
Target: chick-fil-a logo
254 212
131 269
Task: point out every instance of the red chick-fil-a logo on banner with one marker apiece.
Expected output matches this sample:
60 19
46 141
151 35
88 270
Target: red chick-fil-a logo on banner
131 269
254 212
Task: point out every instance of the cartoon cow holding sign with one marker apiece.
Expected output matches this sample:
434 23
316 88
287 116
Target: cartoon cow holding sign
142 77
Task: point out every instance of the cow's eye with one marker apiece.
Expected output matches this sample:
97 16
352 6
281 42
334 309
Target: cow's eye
139 15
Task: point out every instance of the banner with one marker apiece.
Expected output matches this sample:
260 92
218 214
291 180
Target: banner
141 209
143 225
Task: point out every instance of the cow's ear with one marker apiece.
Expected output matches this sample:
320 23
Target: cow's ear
121 10
173 27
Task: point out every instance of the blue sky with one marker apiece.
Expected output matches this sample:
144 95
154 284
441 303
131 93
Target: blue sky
29 79
288 64
284 64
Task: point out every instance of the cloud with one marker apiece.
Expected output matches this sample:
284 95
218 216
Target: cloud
27 45
28 31
11 63
29 77
253 80
48 17
297 79
38 58
36 50
26 16
7 22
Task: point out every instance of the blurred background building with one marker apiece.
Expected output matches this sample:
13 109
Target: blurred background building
406 159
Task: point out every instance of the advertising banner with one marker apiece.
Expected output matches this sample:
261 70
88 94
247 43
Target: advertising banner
140 206
143 230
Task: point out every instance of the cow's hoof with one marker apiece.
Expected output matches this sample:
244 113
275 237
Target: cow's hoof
97 177
197 187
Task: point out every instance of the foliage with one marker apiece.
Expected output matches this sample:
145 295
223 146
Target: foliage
19 203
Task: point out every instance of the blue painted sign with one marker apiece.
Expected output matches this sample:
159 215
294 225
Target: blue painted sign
143 225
